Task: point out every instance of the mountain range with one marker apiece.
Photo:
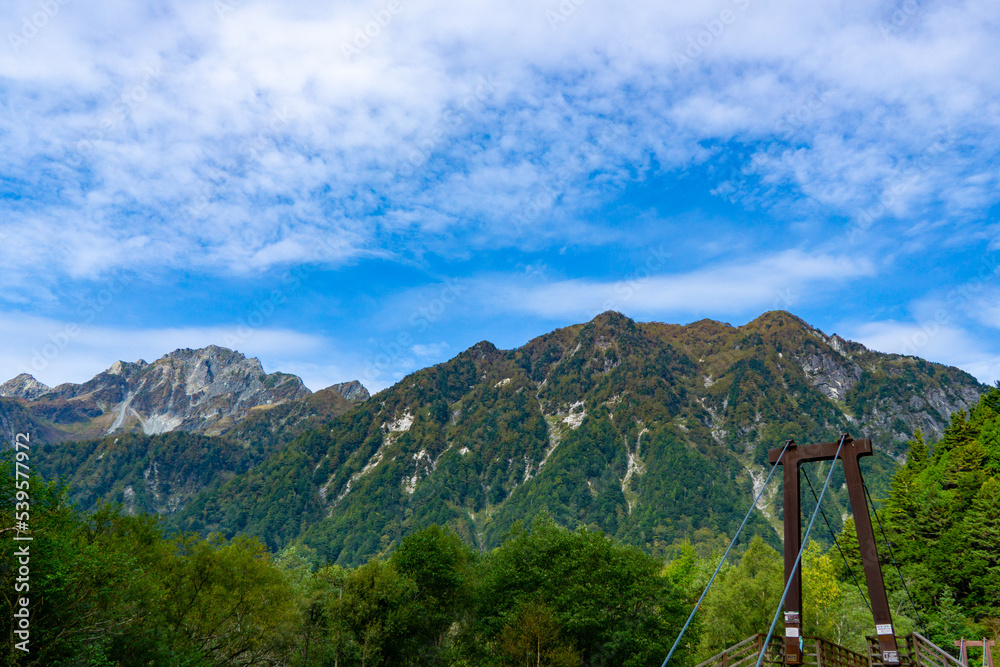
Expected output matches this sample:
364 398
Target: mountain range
207 391
651 432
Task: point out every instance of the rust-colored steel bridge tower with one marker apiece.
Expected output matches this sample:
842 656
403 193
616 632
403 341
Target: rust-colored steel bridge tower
885 649
850 451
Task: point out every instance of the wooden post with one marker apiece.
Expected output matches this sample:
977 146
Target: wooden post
986 644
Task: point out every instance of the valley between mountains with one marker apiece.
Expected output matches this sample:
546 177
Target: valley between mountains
651 432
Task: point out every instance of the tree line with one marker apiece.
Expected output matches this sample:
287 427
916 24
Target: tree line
112 589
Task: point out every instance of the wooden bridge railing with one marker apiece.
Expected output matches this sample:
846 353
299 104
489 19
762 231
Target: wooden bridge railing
926 654
905 652
745 653
816 652
915 650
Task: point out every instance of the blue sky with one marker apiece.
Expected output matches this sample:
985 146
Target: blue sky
363 189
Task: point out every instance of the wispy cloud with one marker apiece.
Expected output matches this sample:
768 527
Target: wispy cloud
431 350
777 281
196 142
946 343
957 326
256 134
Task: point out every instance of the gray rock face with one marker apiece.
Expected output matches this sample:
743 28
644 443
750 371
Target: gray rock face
832 374
352 391
837 367
929 412
23 386
206 391
11 422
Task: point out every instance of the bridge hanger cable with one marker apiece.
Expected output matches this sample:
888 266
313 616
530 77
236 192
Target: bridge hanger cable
798 558
721 562
888 546
850 568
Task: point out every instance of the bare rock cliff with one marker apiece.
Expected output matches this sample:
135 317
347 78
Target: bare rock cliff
209 391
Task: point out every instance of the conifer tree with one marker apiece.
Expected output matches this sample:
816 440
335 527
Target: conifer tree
981 560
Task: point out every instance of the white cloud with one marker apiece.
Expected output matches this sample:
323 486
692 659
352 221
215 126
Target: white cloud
935 339
255 133
980 301
431 350
774 282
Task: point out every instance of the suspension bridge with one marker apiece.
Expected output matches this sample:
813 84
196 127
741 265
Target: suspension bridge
885 648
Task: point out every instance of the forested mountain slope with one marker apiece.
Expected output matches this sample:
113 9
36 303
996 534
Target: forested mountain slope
651 432
943 516
161 473
113 589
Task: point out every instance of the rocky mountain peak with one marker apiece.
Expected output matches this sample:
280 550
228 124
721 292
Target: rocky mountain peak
649 430
612 319
211 356
126 368
352 391
207 352
484 350
607 327
778 318
207 390
847 348
23 386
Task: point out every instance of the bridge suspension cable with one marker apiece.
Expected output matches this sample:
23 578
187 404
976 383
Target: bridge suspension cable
888 545
850 568
735 537
798 558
